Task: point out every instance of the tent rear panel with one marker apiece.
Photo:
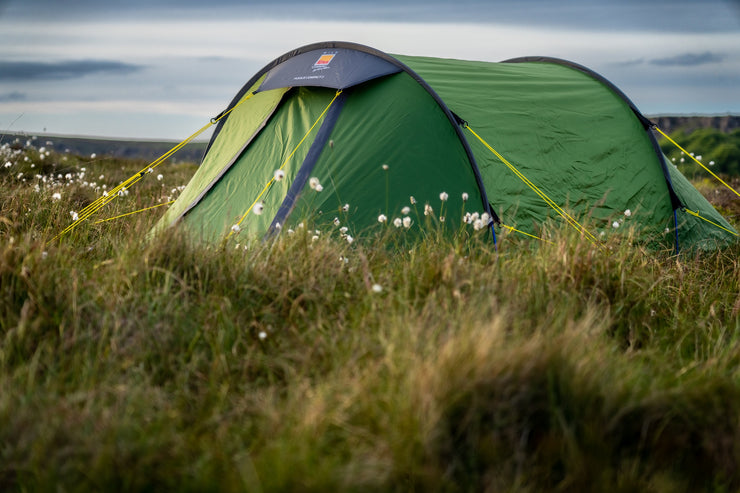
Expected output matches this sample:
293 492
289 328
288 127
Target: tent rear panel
565 131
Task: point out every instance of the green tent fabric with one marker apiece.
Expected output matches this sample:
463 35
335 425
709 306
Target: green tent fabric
339 135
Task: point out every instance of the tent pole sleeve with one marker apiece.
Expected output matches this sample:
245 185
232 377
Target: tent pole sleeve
314 152
675 228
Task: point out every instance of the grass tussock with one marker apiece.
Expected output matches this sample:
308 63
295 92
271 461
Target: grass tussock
318 365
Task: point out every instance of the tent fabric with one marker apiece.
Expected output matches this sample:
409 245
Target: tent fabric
399 139
572 137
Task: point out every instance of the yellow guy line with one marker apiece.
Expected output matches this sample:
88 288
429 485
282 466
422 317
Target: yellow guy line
134 212
511 228
285 162
695 160
104 200
569 219
696 214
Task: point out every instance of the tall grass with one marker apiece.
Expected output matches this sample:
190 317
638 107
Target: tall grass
316 365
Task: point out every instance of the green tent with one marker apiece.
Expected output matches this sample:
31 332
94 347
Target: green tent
339 135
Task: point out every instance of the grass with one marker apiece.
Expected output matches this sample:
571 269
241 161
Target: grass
165 365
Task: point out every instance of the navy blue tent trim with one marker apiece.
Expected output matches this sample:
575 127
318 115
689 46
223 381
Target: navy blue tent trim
318 145
337 68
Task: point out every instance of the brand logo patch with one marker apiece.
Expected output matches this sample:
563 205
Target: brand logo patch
323 61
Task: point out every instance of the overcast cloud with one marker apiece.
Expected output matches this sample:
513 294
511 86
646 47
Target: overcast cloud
69 69
161 68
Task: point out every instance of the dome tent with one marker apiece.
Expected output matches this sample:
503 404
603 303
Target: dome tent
350 135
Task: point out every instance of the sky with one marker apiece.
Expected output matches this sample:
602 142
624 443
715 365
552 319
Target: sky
160 69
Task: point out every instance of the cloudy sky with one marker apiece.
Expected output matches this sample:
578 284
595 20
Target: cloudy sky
162 68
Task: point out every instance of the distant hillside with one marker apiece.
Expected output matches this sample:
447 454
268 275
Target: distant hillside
724 123
127 149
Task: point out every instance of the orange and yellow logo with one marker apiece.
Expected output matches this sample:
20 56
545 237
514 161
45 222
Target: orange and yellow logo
323 61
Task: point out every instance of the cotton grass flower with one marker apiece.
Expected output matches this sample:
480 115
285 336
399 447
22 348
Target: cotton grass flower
443 196
279 174
314 183
382 218
385 167
258 208
407 222
465 196
377 288
262 335
406 210
159 177
627 213
336 221
345 207
74 215
428 209
236 228
349 239
397 222
56 196
615 224
412 200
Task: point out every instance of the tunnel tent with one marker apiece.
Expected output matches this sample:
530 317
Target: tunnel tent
350 136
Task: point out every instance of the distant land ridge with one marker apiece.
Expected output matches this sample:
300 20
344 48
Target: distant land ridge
147 150
723 123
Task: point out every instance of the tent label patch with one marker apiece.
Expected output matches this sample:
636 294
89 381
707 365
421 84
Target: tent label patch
323 61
